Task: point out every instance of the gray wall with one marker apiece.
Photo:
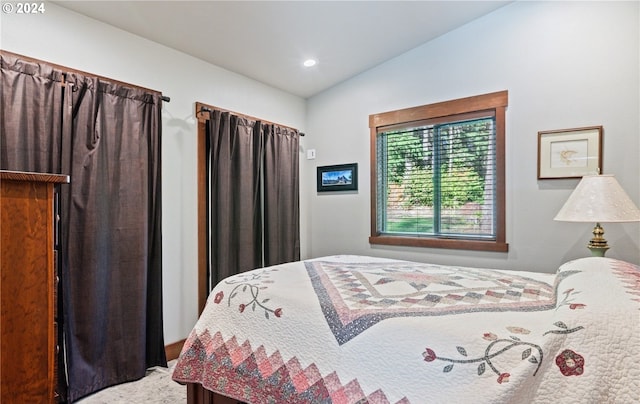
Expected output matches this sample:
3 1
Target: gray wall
565 65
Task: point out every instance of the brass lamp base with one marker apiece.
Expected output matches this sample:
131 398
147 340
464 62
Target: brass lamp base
598 245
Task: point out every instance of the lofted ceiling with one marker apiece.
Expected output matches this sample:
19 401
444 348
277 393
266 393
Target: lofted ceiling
269 40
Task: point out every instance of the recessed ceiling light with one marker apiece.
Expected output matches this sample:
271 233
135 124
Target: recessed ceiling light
309 63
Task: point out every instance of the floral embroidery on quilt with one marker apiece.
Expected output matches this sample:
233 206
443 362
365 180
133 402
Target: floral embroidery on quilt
246 289
568 300
569 362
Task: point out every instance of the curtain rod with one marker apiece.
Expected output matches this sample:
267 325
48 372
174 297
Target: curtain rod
204 108
66 70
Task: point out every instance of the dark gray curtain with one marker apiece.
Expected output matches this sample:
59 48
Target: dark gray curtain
235 152
111 272
281 195
30 116
252 194
113 288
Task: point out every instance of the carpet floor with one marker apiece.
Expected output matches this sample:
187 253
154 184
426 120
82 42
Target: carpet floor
155 388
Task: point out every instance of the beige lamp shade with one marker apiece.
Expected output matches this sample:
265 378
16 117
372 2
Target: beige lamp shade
599 198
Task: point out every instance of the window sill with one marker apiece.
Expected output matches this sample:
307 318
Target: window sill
476 245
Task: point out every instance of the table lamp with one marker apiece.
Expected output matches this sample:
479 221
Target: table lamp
599 199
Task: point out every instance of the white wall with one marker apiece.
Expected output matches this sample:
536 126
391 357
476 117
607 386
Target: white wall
565 65
69 39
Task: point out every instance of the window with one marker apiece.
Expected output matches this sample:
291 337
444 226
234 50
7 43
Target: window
438 175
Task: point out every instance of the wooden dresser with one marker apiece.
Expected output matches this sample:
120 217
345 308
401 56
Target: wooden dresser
28 287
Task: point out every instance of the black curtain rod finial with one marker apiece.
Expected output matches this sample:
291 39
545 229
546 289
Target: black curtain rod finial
166 99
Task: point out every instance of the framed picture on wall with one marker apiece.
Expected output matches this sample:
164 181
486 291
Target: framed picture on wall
569 153
341 177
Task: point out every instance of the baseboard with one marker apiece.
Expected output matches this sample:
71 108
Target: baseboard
173 350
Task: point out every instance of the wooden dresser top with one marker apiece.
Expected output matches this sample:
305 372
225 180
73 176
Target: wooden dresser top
29 176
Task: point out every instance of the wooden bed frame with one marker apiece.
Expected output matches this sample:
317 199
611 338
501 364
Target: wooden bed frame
196 394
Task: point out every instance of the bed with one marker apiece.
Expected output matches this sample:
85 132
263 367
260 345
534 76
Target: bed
355 329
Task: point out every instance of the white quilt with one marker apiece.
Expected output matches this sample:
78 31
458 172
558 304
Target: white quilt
352 329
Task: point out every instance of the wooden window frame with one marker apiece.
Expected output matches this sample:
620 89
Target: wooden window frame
496 102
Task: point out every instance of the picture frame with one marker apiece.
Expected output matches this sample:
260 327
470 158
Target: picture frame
340 177
569 153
